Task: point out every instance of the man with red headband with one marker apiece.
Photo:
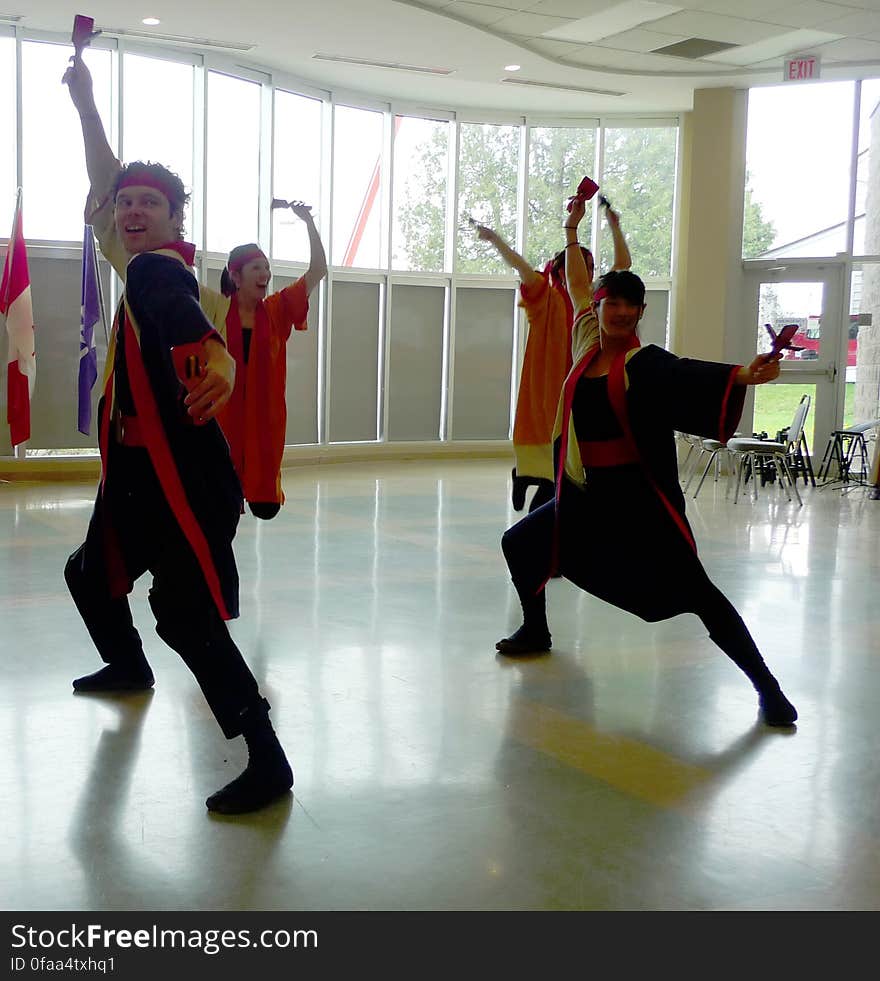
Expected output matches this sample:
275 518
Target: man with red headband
169 500
546 360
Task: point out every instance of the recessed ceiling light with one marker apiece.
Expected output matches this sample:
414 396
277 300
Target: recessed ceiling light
151 21
511 68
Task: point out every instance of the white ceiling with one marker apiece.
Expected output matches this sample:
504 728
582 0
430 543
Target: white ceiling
473 41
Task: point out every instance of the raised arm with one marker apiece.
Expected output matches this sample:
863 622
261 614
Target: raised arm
101 162
317 257
577 277
513 259
622 258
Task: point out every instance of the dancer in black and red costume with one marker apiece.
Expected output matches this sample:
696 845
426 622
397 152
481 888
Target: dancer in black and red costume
617 527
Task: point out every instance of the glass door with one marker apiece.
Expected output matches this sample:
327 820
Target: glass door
810 296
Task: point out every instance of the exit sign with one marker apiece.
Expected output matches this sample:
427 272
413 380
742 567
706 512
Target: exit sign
801 69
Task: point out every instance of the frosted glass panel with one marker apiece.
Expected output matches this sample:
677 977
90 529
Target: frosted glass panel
302 373
653 328
354 362
416 362
484 321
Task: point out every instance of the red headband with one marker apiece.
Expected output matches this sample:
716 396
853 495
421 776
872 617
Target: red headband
600 294
239 262
143 178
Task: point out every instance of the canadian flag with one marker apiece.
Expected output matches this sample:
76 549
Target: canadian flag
15 303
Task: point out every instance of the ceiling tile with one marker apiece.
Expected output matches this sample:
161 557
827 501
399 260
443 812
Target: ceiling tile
425 3
553 49
477 13
530 25
639 40
504 4
638 61
861 22
850 49
746 9
569 8
714 27
807 13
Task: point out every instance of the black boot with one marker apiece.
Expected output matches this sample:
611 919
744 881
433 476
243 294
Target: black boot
518 494
133 674
267 775
533 637
737 644
776 709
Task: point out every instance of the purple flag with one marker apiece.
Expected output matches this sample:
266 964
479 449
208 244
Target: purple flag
91 313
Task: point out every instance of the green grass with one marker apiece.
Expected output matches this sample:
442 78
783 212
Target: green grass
775 405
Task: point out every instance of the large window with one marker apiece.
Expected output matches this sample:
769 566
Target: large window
297 171
164 136
357 186
8 178
798 170
233 192
558 159
421 165
638 178
55 181
487 162
866 239
392 353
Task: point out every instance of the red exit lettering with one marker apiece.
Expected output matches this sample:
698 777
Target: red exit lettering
800 69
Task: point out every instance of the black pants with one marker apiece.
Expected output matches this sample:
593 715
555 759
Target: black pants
186 616
587 557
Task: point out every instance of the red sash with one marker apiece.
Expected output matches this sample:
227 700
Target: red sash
165 466
162 459
607 452
247 413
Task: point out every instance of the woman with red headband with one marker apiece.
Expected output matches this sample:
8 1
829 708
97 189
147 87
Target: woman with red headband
617 527
546 360
257 329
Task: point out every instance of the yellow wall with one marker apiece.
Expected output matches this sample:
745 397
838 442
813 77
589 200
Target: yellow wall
708 278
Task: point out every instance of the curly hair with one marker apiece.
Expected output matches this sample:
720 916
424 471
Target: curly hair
171 183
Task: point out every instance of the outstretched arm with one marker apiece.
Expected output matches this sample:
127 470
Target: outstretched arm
622 258
101 162
577 277
513 259
317 257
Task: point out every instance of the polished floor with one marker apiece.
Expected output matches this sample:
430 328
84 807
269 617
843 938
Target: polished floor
626 770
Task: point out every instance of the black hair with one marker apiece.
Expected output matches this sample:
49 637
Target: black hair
227 286
557 264
623 285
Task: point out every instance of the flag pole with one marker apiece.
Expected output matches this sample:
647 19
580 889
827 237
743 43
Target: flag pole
100 287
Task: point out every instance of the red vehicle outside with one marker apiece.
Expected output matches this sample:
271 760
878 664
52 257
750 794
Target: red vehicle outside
809 335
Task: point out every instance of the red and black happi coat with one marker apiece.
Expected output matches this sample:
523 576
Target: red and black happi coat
192 462
621 531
